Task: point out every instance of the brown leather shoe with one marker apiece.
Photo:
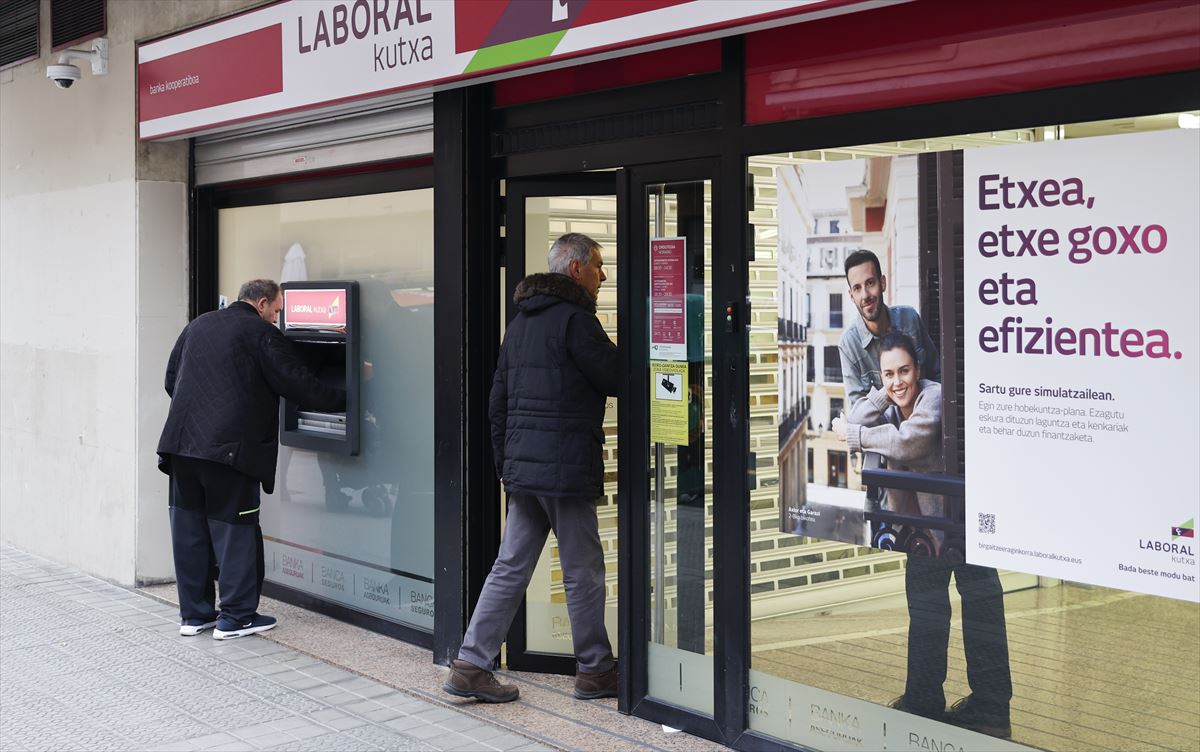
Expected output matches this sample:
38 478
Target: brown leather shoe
467 680
593 686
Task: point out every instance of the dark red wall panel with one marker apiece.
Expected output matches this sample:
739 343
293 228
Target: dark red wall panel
242 67
939 50
674 62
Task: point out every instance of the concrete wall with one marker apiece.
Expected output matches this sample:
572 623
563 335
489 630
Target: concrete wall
93 273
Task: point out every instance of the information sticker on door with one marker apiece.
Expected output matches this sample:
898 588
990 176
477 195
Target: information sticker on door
668 299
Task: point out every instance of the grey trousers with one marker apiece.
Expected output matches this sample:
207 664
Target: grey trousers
530 519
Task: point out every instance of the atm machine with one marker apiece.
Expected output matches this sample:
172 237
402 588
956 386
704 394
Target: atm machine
320 318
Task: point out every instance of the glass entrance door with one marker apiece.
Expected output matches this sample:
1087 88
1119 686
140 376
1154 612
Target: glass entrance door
669 609
655 226
538 212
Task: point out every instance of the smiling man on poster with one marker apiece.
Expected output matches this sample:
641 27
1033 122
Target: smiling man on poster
860 343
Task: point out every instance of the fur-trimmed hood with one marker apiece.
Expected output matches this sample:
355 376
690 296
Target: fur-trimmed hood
538 291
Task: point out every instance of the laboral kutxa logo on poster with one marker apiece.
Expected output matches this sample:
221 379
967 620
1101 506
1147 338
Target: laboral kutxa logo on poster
1082 262
300 54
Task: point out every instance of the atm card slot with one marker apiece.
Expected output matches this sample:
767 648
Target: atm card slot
333 424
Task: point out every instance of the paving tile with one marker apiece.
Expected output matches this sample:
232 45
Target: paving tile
213 740
330 673
345 722
326 715
376 691
362 706
355 683
464 724
383 714
322 691
252 732
388 740
328 743
405 723
288 723
436 714
451 742
508 741
342 699
302 682
272 740
404 702
425 731
309 731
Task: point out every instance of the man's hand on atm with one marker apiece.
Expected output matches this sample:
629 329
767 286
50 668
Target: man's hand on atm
369 417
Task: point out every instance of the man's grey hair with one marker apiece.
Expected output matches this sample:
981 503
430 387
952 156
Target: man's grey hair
257 289
574 246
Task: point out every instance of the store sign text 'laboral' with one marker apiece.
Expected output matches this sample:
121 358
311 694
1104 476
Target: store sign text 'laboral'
362 19
302 54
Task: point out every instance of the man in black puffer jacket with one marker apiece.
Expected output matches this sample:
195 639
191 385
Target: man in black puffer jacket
220 442
555 370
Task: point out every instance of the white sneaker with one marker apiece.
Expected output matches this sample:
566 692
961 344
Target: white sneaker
193 627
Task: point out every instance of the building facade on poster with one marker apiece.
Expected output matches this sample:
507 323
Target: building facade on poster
828 210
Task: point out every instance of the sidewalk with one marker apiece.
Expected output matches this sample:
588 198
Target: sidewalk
85 665
89 665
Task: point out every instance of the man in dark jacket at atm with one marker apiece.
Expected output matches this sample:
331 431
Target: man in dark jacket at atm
225 376
554 372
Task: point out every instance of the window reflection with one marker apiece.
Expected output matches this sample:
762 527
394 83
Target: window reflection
835 618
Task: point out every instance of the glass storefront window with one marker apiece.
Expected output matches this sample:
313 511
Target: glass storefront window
355 530
833 621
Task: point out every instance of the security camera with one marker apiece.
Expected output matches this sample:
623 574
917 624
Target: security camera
63 75
67 73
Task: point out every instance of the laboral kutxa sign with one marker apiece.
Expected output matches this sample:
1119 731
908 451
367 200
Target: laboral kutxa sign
299 54
315 309
1081 261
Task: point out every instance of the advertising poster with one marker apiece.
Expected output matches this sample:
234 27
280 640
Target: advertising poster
668 297
1081 262
1080 400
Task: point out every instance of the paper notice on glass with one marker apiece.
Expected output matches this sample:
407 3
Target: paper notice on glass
668 289
668 402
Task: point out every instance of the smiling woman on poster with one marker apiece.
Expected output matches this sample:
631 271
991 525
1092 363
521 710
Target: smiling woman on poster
902 422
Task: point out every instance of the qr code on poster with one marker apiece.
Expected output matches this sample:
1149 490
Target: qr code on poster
987 523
